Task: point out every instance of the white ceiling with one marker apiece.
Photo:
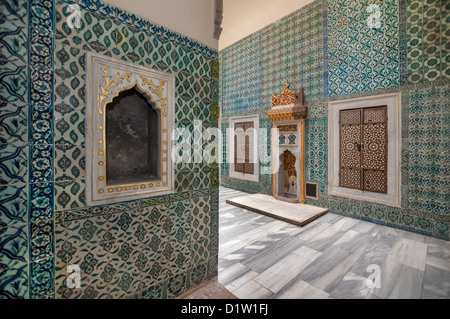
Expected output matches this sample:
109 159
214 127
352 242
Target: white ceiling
195 18
244 17
192 18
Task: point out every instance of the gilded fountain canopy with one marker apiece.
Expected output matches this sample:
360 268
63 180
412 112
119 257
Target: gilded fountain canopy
288 105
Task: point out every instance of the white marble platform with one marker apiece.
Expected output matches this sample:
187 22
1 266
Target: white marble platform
260 258
294 213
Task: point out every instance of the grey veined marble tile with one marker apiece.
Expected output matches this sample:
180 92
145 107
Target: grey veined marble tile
231 273
409 253
352 240
329 268
277 276
438 248
374 254
398 281
298 289
345 223
352 286
332 257
324 239
436 283
252 290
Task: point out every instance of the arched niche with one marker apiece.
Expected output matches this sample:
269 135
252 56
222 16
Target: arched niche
133 138
129 121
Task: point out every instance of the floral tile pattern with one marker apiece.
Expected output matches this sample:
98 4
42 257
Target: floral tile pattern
126 248
14 204
44 218
14 150
13 124
125 253
427 40
194 91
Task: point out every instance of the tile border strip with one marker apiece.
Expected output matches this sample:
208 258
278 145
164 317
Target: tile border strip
41 23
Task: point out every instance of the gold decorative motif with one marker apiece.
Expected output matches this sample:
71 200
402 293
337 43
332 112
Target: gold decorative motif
158 90
289 163
287 128
287 97
288 105
110 83
289 167
112 80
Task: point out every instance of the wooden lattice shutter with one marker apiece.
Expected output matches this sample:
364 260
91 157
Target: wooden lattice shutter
249 166
374 151
363 149
349 153
243 148
239 148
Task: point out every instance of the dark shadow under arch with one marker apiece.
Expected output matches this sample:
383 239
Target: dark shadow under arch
133 139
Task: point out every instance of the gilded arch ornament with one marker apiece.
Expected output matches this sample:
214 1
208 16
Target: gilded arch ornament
106 78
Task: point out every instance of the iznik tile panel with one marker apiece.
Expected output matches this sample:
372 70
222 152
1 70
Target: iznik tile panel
428 38
292 52
241 77
363 46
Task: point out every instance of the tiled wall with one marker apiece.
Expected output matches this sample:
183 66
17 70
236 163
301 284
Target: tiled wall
290 50
362 58
327 49
154 248
242 79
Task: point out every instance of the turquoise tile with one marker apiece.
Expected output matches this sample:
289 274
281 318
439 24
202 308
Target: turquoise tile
13 164
13 123
14 202
14 43
15 11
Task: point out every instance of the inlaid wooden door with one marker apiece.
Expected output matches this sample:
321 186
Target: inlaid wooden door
363 149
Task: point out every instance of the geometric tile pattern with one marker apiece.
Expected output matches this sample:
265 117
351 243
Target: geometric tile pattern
427 38
410 48
241 79
361 58
292 52
316 154
264 184
428 178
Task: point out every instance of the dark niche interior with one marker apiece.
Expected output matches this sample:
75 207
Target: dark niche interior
133 140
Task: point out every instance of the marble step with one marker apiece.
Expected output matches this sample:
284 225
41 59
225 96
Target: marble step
294 213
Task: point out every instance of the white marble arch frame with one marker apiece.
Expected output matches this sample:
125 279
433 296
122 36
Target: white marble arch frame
105 78
393 102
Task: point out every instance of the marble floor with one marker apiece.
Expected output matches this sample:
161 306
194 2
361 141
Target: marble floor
332 257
